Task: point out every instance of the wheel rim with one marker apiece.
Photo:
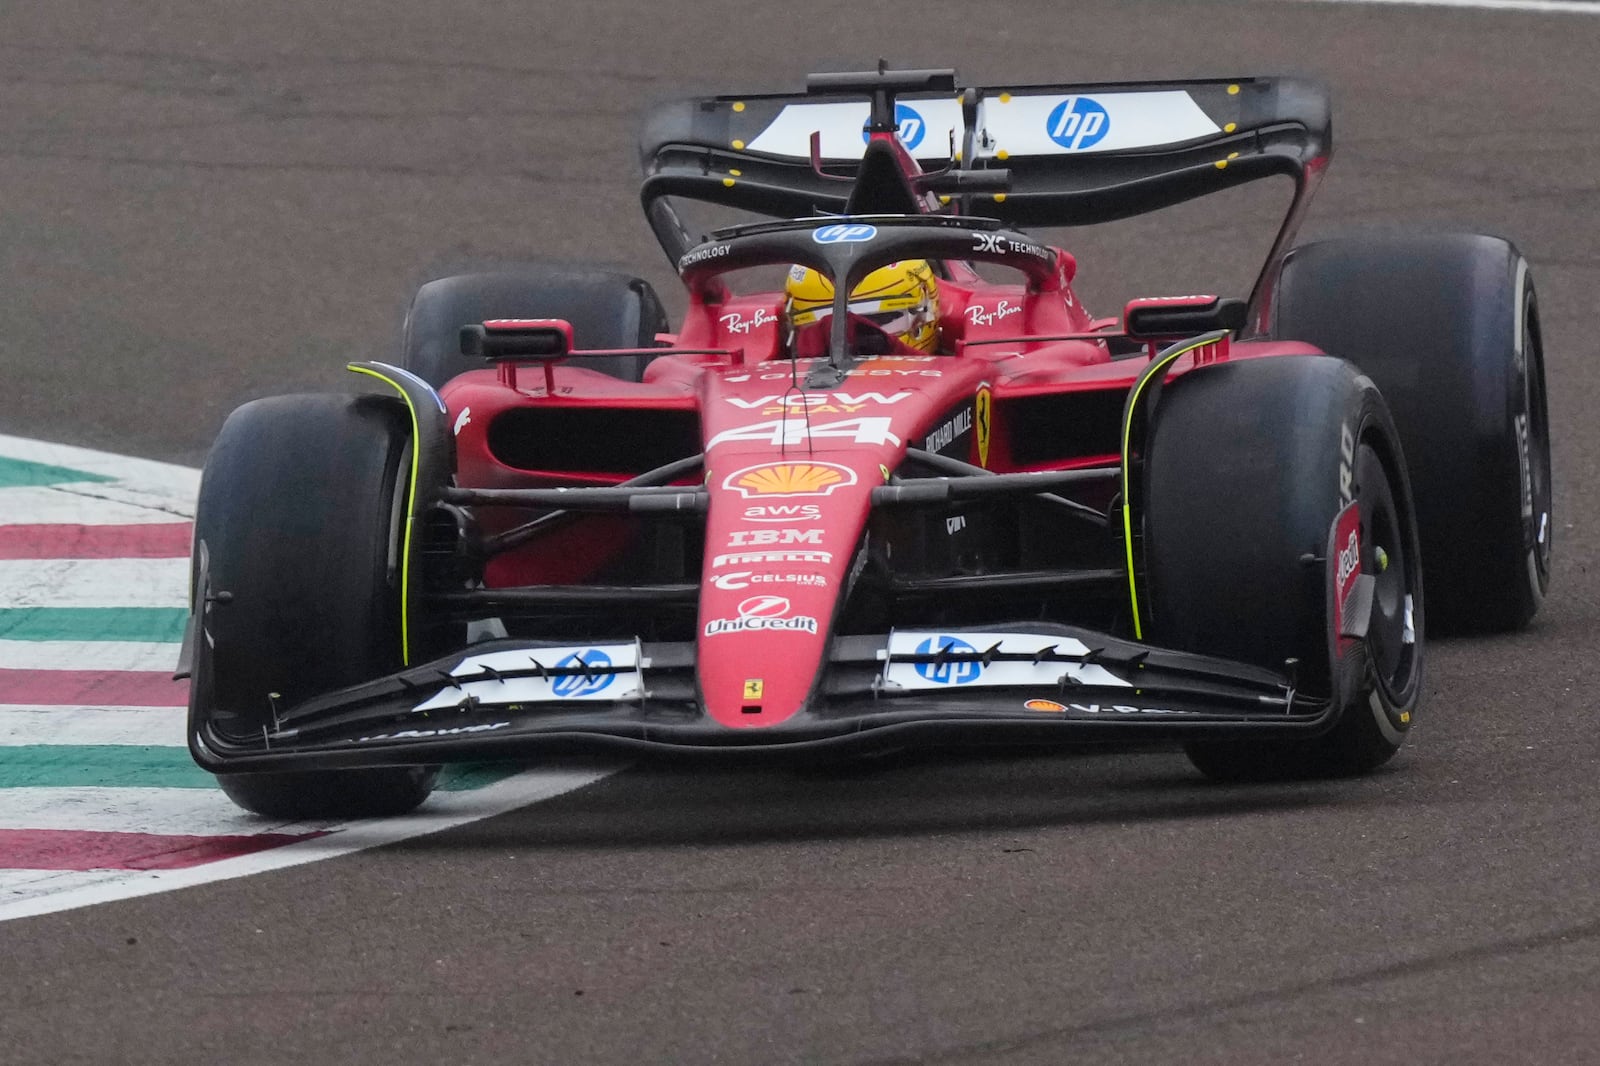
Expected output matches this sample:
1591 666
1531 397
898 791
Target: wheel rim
1533 443
1388 554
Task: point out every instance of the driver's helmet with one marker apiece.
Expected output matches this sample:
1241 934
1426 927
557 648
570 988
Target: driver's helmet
902 299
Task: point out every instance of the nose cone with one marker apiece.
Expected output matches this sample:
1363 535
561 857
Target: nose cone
780 539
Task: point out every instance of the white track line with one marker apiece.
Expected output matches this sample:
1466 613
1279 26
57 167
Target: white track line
1553 7
94 582
87 655
444 811
142 726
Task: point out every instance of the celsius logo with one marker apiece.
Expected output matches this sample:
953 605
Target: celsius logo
842 233
959 672
908 126
1078 123
569 686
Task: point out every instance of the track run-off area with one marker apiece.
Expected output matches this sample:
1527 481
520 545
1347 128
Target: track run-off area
99 799
202 203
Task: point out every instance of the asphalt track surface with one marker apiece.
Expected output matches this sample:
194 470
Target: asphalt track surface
202 202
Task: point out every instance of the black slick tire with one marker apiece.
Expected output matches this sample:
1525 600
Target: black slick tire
1249 463
606 308
1447 325
295 529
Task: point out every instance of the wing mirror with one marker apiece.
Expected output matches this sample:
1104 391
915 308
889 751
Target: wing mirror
1181 316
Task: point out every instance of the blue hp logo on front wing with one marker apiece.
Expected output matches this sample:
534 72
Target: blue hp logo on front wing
1077 123
569 686
957 672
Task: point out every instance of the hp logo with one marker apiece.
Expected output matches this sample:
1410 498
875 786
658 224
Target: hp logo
841 233
1078 123
909 126
959 672
569 686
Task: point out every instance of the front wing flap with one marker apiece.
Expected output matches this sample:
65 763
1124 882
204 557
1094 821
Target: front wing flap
510 699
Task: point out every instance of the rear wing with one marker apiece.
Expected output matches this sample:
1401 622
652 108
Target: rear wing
1035 155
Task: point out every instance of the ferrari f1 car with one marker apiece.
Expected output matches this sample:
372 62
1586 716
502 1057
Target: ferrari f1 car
816 519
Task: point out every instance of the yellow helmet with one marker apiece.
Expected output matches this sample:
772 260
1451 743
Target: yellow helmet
902 299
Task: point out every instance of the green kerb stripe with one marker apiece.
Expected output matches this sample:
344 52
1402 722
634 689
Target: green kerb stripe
147 624
100 766
20 472
137 766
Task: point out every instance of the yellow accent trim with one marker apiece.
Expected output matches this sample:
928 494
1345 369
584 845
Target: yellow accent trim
1233 90
1222 164
1005 98
411 507
738 105
739 145
1002 155
737 173
1230 127
1155 370
728 182
943 199
1233 155
999 197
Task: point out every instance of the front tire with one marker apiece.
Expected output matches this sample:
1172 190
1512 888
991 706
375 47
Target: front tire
1248 466
296 530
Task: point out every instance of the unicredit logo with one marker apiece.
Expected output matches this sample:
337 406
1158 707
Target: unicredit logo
764 607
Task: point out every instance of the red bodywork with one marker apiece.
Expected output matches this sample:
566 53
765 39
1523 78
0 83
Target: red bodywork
789 470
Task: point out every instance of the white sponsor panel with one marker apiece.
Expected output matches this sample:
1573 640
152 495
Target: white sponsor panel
960 672
620 681
1103 122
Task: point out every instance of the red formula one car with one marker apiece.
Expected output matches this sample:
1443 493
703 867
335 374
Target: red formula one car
892 498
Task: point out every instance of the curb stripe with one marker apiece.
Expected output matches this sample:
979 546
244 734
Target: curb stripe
152 540
94 582
142 624
31 849
77 654
101 766
166 766
139 726
119 809
54 507
20 472
26 895
119 688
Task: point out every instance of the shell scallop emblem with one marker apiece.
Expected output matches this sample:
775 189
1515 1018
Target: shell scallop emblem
789 479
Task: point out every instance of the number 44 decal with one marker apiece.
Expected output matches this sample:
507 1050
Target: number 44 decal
796 429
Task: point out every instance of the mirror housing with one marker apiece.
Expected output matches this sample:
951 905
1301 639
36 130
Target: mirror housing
1181 316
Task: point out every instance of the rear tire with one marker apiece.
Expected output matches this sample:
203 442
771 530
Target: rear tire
1244 482
1447 325
296 524
607 309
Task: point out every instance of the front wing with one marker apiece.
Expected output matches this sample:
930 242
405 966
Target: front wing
510 699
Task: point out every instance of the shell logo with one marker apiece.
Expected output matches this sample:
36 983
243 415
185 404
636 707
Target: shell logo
789 479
